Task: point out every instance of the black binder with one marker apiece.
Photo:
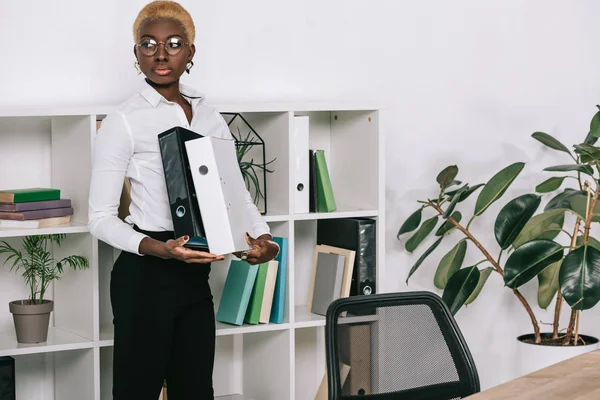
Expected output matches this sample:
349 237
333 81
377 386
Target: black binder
8 390
185 211
358 234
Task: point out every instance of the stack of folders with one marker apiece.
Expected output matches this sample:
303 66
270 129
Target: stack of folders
322 198
33 207
314 191
331 277
255 294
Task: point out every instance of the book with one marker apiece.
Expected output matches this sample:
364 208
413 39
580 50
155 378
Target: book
325 196
312 171
349 256
236 292
267 302
35 205
358 234
323 391
258 291
35 223
29 194
37 214
278 307
326 283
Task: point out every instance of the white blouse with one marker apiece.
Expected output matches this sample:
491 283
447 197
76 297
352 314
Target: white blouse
126 145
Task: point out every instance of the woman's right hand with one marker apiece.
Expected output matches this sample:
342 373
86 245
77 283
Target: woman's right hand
175 249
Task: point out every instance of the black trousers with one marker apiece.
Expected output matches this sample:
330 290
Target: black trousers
164 327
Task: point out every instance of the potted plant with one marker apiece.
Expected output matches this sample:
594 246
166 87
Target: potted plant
38 268
535 242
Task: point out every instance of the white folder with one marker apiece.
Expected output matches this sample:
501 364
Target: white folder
221 193
301 169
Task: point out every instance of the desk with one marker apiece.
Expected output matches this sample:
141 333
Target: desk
577 378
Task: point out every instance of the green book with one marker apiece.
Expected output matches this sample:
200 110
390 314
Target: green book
258 292
29 194
236 292
325 197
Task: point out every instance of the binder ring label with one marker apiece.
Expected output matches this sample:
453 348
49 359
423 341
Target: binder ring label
180 211
203 170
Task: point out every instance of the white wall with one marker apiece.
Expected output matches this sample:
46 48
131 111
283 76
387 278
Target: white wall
466 82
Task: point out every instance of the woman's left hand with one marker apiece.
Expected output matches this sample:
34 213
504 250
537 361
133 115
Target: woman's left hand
263 249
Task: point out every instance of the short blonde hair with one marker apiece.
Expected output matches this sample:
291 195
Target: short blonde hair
165 9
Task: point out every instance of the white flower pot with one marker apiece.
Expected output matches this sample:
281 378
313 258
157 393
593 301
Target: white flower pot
533 357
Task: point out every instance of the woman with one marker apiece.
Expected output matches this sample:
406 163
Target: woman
161 300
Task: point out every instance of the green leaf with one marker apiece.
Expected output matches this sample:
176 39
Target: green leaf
513 217
563 199
579 207
583 168
496 186
539 225
550 141
529 260
460 287
448 226
484 274
595 125
548 284
418 236
411 223
550 184
469 191
579 278
449 264
591 242
446 176
590 139
453 203
587 152
423 257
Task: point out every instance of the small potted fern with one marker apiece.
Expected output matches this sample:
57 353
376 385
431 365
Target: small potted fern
38 268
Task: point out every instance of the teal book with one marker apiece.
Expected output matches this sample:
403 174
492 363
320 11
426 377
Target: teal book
258 292
29 194
278 307
236 292
325 196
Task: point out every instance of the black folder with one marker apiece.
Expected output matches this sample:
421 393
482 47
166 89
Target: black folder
7 379
185 211
358 234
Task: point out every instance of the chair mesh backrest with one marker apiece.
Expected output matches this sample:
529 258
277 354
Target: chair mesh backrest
405 344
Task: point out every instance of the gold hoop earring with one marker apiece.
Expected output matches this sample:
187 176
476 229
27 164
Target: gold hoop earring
136 64
190 65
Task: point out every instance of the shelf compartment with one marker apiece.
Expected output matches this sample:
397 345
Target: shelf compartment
58 340
309 364
67 375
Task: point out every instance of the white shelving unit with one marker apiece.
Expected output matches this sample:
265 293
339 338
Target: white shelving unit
52 147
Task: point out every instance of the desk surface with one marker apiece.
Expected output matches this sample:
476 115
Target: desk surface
577 378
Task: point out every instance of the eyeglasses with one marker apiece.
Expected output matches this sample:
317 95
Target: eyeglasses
149 47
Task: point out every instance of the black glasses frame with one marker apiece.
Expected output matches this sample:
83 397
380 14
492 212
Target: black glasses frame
139 45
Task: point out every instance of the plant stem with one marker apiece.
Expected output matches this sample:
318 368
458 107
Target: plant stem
557 309
569 334
497 267
559 298
536 326
586 233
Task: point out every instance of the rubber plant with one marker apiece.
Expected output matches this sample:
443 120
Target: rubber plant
38 267
535 242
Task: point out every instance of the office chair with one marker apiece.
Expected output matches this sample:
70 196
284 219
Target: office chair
396 346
